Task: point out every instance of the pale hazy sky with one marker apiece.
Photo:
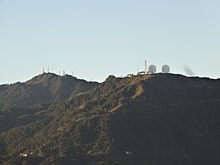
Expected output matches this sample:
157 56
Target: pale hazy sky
95 38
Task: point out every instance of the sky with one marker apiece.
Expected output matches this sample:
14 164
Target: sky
96 38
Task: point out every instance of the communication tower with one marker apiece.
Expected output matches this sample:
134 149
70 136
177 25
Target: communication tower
145 66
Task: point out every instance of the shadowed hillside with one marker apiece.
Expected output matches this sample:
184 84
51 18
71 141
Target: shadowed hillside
160 119
45 88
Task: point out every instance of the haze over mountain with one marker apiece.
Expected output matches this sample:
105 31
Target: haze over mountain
158 119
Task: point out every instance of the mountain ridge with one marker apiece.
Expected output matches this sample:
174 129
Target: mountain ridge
146 119
45 88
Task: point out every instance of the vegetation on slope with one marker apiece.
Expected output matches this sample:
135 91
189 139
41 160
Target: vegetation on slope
149 119
45 88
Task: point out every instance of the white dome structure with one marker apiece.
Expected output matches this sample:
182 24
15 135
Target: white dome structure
165 69
152 69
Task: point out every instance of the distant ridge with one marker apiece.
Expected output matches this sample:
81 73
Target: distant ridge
45 88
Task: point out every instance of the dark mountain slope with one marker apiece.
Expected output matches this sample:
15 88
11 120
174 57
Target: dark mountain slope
44 88
160 119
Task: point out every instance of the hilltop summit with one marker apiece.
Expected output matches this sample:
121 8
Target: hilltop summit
45 88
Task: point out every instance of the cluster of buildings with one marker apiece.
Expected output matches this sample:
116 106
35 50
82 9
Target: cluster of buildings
152 69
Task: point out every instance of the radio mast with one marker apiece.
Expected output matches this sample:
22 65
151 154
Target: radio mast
145 66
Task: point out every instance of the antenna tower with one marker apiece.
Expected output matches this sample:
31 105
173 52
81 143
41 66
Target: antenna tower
145 66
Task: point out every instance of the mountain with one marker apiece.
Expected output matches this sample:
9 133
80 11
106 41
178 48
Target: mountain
158 119
45 88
